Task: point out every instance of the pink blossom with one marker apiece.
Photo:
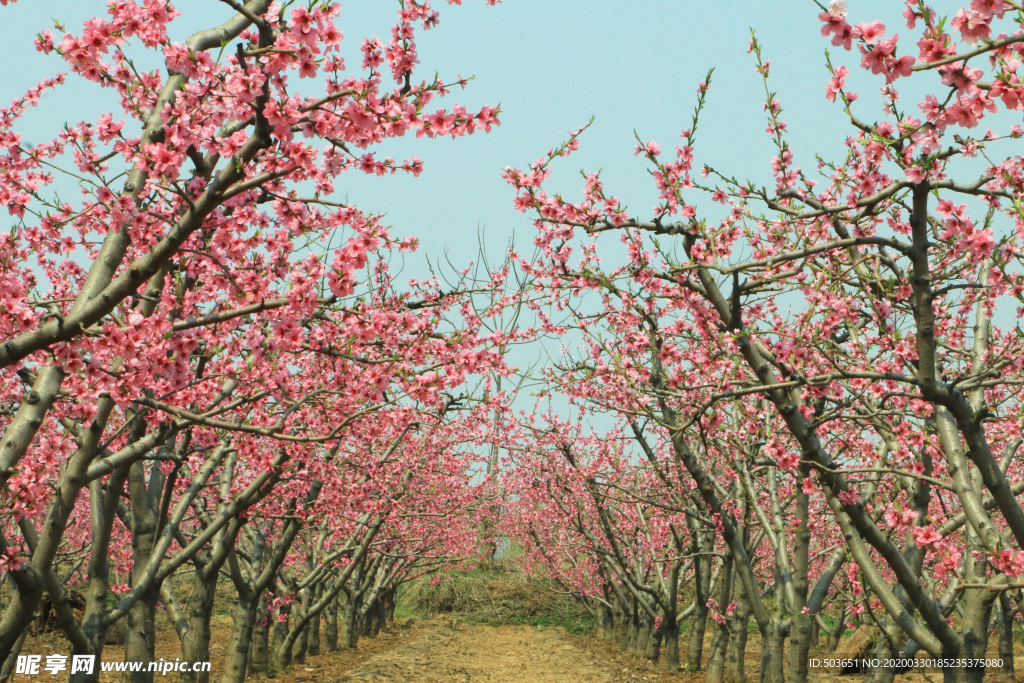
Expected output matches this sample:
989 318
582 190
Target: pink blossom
869 33
973 26
926 536
651 149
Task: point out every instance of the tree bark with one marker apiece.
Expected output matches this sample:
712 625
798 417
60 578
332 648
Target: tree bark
703 541
299 648
695 645
237 657
331 627
634 631
772 655
389 609
720 629
621 630
653 651
103 502
802 623
670 631
881 651
140 635
643 637
1004 624
736 651
280 634
261 638
350 625
195 645
12 658
836 634
974 629
606 623
376 619
314 625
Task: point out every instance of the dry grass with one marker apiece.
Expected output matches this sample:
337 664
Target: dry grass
498 597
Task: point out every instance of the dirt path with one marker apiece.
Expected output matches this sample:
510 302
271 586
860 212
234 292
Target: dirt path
441 651
324 668
504 654
420 651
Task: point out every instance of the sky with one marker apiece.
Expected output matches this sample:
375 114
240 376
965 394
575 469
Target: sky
551 65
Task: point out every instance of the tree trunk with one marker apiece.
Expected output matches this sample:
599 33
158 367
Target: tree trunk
801 623
720 629
974 631
389 609
705 542
280 633
716 658
195 645
882 651
670 631
606 623
643 635
140 638
695 646
302 642
633 633
836 634
736 651
1004 624
103 507
772 654
653 652
261 638
799 647
301 646
622 630
350 625
12 659
314 625
236 658
140 635
331 627
376 619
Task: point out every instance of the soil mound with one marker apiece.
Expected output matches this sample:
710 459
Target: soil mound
856 648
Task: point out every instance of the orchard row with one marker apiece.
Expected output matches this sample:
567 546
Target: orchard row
800 407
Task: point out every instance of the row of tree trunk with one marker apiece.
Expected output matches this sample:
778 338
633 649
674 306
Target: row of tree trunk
634 633
360 591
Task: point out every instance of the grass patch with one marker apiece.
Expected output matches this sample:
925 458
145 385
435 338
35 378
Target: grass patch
498 597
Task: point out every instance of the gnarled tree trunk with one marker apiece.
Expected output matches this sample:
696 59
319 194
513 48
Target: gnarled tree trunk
331 627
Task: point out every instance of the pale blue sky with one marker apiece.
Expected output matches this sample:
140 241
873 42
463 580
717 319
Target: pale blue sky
551 64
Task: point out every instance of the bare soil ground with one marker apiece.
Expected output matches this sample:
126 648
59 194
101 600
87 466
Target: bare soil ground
447 651
502 654
328 667
525 654
432 651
